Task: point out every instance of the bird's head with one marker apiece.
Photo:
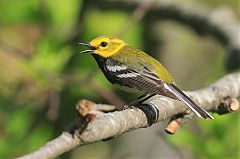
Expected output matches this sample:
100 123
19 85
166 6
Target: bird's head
104 46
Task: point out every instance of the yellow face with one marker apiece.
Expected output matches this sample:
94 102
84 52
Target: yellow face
106 46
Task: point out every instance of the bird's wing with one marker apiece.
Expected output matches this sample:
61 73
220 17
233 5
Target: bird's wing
141 78
180 95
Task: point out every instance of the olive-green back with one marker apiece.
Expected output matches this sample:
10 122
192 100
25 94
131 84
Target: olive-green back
137 59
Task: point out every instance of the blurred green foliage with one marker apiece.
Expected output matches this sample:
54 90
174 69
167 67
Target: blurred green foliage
42 75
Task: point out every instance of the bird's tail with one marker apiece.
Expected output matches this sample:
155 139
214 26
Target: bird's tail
184 98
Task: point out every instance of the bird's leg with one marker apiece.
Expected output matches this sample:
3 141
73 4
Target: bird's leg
146 97
139 100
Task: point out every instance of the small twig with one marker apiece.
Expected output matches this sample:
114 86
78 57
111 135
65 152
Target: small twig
178 120
227 105
172 126
87 111
84 107
84 117
234 105
105 107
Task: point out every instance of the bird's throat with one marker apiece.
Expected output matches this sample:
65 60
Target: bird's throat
100 60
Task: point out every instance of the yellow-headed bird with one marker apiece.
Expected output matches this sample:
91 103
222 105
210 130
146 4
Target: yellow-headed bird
127 66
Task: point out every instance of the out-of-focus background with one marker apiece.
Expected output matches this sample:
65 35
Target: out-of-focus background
42 76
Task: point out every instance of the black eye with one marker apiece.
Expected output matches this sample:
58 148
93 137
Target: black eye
103 44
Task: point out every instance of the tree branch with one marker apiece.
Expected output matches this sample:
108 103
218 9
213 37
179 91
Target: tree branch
115 123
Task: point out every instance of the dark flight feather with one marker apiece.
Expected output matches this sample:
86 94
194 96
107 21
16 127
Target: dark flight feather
184 98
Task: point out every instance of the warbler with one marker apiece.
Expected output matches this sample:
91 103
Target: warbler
125 65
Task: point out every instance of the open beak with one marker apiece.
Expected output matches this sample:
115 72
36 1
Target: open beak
90 47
